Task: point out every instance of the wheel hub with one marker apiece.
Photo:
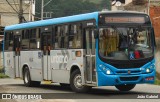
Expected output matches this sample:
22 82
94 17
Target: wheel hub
78 81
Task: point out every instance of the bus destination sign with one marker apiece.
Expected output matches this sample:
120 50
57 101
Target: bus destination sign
124 20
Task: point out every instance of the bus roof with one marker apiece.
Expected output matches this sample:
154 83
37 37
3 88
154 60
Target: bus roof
48 22
66 19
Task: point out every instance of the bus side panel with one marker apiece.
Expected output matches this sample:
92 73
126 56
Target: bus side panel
60 76
46 67
17 66
49 68
34 62
9 64
61 63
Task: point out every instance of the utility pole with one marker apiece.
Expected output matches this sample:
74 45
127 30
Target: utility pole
32 10
149 6
20 11
42 9
42 6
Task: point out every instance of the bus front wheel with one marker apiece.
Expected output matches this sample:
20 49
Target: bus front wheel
76 82
27 79
126 87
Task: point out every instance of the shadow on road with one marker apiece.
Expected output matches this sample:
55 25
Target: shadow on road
94 93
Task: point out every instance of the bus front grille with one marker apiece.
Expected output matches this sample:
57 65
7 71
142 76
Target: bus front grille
127 66
129 78
126 72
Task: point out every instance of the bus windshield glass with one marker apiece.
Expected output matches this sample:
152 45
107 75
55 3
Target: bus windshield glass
125 43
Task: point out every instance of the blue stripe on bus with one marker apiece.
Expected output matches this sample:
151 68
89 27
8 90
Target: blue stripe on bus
68 19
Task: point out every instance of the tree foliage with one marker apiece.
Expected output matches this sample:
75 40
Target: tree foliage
62 8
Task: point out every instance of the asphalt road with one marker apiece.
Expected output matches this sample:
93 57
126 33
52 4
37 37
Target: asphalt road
101 94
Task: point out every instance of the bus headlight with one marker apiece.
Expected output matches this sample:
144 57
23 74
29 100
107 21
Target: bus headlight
108 72
105 69
150 68
147 70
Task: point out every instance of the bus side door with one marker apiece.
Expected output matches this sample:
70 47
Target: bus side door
17 48
9 55
90 56
46 42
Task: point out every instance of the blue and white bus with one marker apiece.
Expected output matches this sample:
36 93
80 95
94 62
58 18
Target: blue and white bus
83 51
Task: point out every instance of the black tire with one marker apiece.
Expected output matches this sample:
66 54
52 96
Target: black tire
27 79
126 87
75 74
65 85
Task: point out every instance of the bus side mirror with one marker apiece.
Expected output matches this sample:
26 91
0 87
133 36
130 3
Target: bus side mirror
95 33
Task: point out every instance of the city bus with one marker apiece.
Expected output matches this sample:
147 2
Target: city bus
83 51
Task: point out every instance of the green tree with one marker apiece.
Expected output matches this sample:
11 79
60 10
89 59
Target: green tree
106 4
62 8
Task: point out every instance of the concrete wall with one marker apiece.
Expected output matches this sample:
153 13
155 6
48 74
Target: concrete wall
10 19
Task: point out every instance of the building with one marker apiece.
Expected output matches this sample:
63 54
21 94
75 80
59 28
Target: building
155 17
155 2
137 5
8 16
121 7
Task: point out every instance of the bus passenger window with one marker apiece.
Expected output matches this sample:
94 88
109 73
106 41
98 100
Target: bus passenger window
34 39
56 43
61 37
9 41
25 40
64 36
66 31
75 37
57 34
71 41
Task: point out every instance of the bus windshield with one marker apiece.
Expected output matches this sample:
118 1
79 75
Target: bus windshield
125 43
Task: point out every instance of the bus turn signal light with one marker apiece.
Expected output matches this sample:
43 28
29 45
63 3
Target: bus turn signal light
78 53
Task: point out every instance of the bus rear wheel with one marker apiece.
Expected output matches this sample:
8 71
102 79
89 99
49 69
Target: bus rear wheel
126 87
27 79
76 82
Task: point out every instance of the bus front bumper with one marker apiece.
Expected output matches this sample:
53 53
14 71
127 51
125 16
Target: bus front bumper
112 80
